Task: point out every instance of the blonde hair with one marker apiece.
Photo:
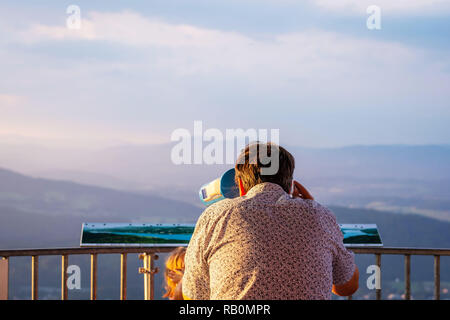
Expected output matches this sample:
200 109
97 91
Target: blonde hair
174 262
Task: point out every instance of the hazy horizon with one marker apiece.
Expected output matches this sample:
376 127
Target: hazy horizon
62 143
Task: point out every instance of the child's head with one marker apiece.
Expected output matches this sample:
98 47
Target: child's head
174 263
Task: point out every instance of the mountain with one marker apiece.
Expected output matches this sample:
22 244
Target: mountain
395 178
40 212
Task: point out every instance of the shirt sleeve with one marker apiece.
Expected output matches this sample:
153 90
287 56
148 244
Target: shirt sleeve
196 273
343 265
343 260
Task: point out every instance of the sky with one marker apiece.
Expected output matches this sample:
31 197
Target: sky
135 71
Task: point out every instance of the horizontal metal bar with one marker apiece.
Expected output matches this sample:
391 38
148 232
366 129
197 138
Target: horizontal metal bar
154 249
83 250
401 251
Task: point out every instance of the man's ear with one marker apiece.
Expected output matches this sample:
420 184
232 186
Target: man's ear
242 191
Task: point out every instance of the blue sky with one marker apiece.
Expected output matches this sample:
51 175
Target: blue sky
137 70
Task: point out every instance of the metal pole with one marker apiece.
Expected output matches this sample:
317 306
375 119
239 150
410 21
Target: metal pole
34 277
94 276
437 277
407 277
64 265
123 276
4 278
378 262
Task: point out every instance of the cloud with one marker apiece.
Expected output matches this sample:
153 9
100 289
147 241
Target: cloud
188 49
436 214
171 68
296 63
398 7
130 28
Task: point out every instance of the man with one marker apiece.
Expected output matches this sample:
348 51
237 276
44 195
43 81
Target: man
267 244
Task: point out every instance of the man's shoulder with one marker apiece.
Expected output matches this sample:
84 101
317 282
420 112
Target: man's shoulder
215 210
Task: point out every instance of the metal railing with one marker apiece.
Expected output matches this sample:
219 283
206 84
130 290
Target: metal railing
149 255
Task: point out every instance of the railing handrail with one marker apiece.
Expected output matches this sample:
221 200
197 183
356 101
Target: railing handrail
84 250
402 251
162 249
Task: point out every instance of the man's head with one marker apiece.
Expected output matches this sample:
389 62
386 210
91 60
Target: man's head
265 162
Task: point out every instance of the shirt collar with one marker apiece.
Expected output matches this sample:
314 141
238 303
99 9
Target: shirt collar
266 187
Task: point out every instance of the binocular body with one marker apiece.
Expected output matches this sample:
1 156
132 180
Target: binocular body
220 188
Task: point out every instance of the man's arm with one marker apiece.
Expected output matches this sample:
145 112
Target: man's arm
348 288
196 274
345 271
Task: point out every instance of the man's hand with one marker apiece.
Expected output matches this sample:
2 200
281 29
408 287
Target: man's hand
349 288
301 192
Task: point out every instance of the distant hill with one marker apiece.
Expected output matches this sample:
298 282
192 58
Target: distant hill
39 212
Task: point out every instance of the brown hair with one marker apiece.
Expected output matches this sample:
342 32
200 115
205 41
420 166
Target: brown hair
250 162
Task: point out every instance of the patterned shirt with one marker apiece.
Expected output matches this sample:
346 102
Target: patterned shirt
266 245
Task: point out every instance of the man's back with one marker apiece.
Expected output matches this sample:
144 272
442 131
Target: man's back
266 245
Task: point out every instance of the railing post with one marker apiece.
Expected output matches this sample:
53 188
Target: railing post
148 278
123 276
378 263
437 277
64 265
407 277
34 277
149 273
93 276
4 278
